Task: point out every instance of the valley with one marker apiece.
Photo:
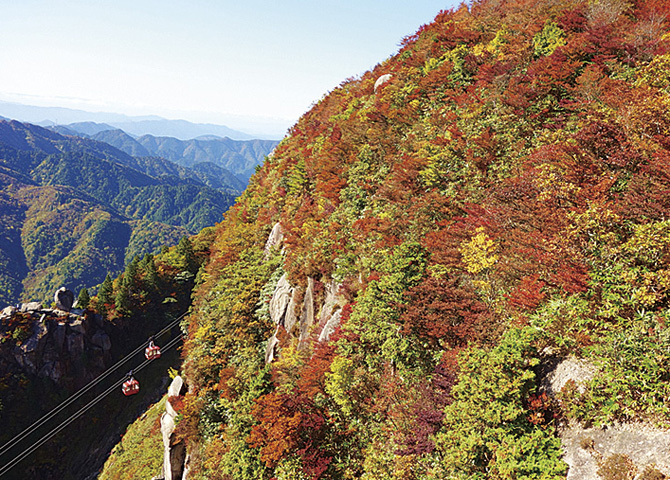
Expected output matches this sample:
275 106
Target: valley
75 208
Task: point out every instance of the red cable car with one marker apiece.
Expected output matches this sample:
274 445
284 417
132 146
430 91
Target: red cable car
152 351
130 387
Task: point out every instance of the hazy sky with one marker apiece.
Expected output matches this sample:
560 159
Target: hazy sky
201 60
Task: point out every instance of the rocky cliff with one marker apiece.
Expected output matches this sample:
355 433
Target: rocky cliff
53 364
68 348
388 297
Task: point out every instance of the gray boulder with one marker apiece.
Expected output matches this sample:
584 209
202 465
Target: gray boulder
8 311
64 299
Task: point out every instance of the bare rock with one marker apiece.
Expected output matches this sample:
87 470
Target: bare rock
174 454
28 354
275 238
53 370
307 316
101 339
8 311
64 299
272 345
585 447
331 301
330 326
281 298
290 319
59 331
382 80
75 343
77 326
330 315
35 343
30 307
571 368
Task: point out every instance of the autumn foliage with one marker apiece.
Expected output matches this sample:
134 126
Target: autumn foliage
503 195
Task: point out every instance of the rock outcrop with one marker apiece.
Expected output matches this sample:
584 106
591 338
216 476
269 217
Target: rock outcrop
280 303
50 343
587 449
330 314
64 299
298 310
382 80
174 454
275 238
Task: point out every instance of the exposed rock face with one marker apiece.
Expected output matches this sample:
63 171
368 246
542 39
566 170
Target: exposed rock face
571 368
275 239
270 349
30 307
174 455
285 303
330 314
64 299
288 309
7 312
50 344
282 313
586 448
330 326
382 80
281 298
307 316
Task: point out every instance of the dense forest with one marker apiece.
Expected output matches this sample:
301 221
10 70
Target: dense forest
52 366
488 201
239 157
74 209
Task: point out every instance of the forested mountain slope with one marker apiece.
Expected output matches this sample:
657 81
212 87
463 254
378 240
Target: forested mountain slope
238 156
486 203
205 170
74 209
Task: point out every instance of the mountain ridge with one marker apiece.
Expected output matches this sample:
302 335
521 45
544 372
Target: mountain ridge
76 209
138 125
394 291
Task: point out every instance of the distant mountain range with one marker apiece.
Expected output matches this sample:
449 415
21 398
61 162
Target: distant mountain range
138 126
237 156
73 208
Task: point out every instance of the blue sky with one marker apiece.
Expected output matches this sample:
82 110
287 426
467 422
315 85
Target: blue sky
233 63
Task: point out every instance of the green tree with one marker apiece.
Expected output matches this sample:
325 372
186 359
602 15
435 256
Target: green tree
185 250
84 299
487 432
105 297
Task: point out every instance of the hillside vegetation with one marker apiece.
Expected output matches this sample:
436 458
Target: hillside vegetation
237 156
501 200
75 209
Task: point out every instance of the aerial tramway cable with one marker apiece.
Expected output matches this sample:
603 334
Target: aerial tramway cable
4 469
46 417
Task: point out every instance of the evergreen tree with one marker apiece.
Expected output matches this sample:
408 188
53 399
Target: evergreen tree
83 299
105 295
185 250
149 274
122 297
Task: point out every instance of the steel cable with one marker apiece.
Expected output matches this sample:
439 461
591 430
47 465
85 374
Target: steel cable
48 416
67 422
